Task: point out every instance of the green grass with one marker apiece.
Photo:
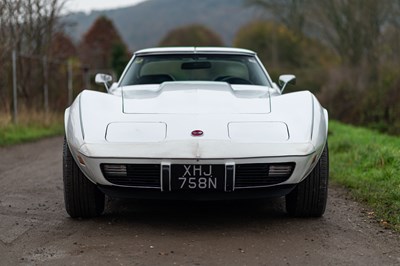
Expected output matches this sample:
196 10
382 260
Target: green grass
14 134
368 163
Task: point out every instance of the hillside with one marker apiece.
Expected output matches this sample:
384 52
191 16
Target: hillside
145 24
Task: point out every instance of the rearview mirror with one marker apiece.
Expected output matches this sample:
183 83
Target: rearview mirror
196 65
284 80
103 79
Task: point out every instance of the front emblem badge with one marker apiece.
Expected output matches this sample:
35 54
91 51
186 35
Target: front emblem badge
197 133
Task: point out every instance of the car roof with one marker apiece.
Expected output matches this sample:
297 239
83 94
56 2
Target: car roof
194 50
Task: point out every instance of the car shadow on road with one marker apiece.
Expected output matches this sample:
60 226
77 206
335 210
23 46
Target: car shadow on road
192 215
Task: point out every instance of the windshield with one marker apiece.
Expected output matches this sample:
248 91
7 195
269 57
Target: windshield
233 69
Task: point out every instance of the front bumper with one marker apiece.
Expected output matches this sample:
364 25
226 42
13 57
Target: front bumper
92 168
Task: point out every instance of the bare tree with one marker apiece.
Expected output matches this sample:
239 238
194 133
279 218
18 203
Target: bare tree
27 26
291 13
353 27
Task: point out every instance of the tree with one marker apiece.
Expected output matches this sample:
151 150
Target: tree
353 27
291 13
282 51
27 27
62 47
119 58
363 33
96 48
192 35
275 44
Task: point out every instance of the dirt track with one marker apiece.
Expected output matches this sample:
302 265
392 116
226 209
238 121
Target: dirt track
34 228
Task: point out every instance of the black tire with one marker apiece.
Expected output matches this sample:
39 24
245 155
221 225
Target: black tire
309 197
82 198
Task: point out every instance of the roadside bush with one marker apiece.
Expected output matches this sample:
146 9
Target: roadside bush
351 97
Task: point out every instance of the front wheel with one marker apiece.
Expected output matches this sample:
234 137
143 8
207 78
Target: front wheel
82 198
309 197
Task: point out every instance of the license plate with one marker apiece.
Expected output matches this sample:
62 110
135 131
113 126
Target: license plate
197 177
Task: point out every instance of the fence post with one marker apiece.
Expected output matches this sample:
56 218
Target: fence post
15 90
70 81
45 86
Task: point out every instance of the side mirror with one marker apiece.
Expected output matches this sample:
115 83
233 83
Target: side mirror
284 80
103 79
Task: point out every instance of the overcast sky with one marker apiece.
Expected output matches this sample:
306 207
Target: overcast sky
88 5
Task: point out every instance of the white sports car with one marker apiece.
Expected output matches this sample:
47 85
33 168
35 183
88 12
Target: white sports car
195 123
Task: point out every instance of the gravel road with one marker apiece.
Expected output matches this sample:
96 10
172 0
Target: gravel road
35 230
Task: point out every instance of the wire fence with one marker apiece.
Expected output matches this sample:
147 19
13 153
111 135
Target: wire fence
45 71
41 83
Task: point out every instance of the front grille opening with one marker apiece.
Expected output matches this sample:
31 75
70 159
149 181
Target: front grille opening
133 175
262 174
115 169
280 170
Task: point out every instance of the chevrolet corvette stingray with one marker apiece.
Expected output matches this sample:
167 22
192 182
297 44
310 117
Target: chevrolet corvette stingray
195 123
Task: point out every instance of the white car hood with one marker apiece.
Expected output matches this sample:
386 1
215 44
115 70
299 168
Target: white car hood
153 121
196 98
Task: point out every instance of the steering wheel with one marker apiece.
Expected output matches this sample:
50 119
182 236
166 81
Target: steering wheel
233 80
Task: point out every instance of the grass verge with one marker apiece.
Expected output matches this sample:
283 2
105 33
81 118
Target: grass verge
15 134
32 126
368 163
